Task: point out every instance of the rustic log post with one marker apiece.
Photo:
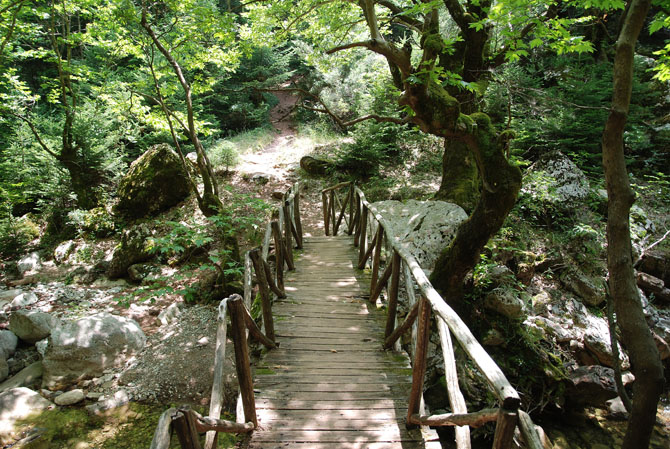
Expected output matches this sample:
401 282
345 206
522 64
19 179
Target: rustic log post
529 432
393 294
331 209
475 419
266 302
326 212
207 423
344 207
357 218
420 353
366 256
382 282
350 229
377 257
505 425
185 429
407 322
161 439
296 215
456 398
288 240
271 282
362 234
216 399
279 255
242 364
247 279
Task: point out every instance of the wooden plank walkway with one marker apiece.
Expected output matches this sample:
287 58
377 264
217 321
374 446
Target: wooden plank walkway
329 385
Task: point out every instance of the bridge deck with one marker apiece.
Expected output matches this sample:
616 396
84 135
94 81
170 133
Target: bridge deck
330 385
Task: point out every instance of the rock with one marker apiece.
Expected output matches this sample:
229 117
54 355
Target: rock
24 300
556 181
659 323
28 376
9 295
8 342
506 302
260 178
94 395
63 251
17 404
70 397
493 338
119 399
155 182
424 228
31 262
616 409
579 284
137 272
170 314
277 195
42 346
657 264
651 285
314 167
132 249
4 369
83 349
591 386
32 326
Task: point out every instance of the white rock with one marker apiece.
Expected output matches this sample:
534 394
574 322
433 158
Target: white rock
30 262
41 346
63 251
23 300
170 314
424 228
17 404
70 397
8 295
32 326
555 179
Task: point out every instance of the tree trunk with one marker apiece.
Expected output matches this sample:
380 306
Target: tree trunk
645 361
460 181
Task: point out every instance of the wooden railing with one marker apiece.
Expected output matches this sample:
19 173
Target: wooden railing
284 228
370 230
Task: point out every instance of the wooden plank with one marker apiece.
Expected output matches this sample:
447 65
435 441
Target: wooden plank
331 424
216 398
290 387
348 445
325 415
329 395
298 378
344 436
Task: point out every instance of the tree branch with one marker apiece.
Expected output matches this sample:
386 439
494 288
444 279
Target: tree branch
36 133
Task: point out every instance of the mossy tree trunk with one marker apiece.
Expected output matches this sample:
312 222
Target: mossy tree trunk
645 361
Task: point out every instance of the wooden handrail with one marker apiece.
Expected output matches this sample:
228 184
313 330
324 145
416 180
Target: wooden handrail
361 213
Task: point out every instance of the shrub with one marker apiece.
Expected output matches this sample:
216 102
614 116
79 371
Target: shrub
97 221
223 154
15 234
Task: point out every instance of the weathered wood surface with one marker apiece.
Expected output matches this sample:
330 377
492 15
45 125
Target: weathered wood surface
330 384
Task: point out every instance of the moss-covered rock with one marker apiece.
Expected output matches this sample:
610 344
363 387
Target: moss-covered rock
155 181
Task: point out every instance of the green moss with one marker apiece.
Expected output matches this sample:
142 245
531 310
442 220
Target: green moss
265 372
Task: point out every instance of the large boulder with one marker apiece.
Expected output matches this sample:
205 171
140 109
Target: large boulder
27 377
314 166
30 262
18 404
83 349
591 386
8 343
31 325
554 180
132 249
155 181
424 228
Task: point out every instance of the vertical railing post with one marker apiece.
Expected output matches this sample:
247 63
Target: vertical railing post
362 242
216 398
420 353
296 215
326 212
341 216
279 255
242 363
376 258
505 425
287 233
393 294
332 211
357 220
350 230
264 289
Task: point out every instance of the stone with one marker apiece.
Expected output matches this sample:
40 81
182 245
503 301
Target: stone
170 314
8 342
651 285
314 166
506 302
424 228
591 386
24 300
83 349
31 325
42 346
70 397
18 404
578 283
118 399
555 180
139 271
9 295
4 369
617 410
155 182
94 395
493 338
31 262
28 376
260 178
132 249
657 264
63 251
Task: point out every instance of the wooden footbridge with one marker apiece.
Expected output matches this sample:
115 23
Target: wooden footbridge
333 374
